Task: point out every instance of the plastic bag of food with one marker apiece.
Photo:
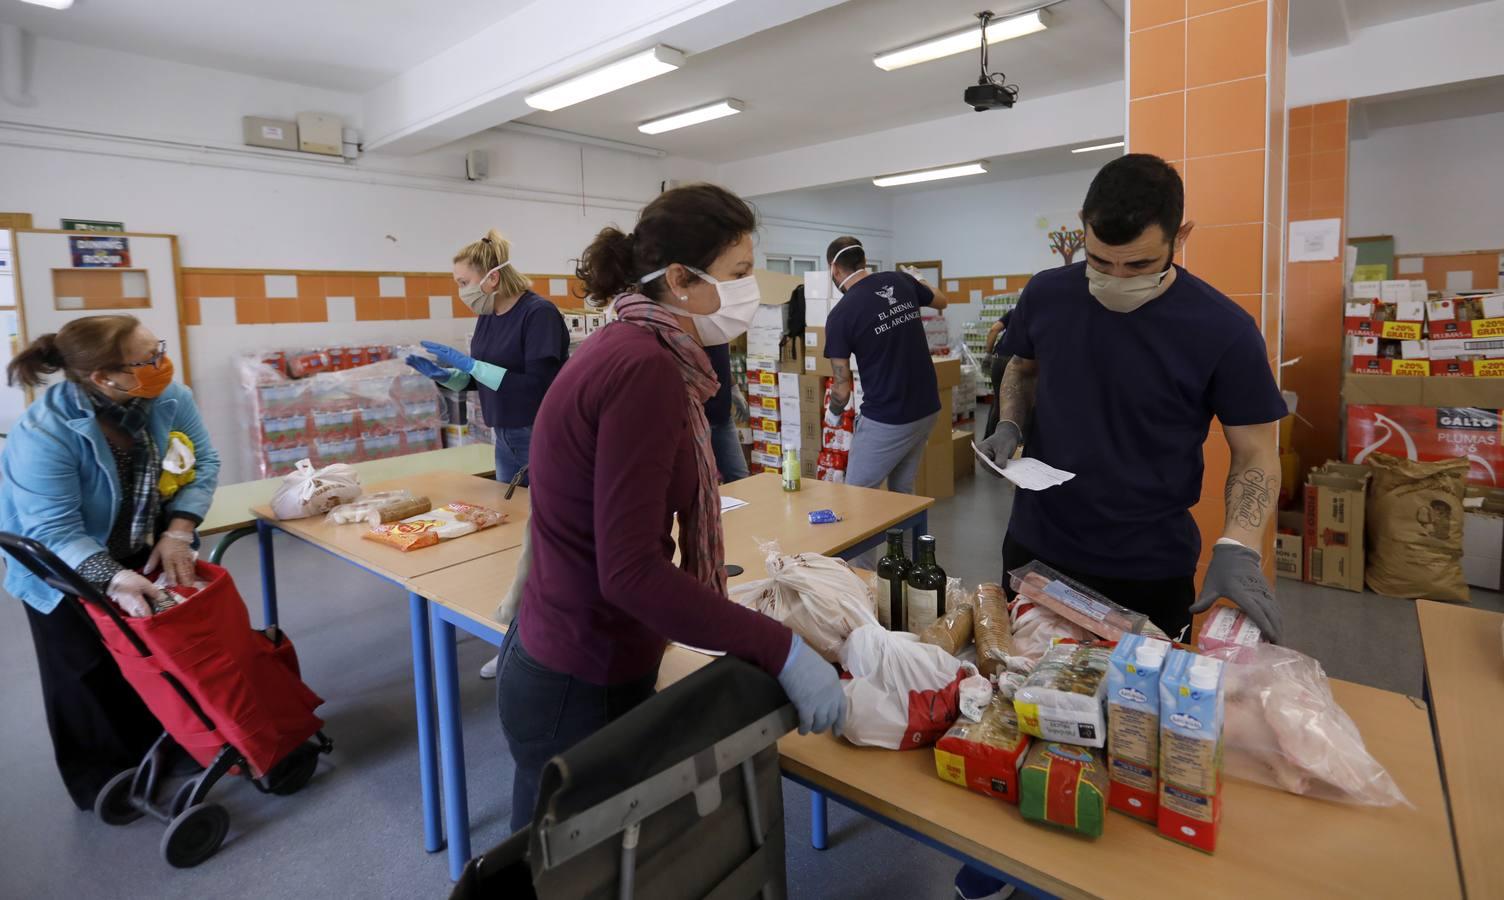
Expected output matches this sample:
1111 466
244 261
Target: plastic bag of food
975 695
360 510
1414 524
311 492
992 630
1063 698
405 536
425 529
1036 629
1064 785
952 631
1284 728
816 596
1075 602
903 694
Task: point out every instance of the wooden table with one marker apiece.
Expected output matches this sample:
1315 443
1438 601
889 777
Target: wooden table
465 596
391 564
1465 683
231 510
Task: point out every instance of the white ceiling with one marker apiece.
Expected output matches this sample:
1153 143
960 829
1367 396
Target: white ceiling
350 45
813 80
1323 24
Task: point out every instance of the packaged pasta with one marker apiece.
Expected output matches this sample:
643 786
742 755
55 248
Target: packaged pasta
984 756
1064 785
1062 700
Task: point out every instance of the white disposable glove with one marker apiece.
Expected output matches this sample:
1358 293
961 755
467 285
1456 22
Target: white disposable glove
175 556
133 593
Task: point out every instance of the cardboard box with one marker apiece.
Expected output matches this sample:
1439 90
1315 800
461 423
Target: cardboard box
1333 534
1289 547
947 373
1429 433
815 362
791 356
1403 320
1468 348
1289 476
1483 548
1468 368
1472 317
941 431
936 475
1383 390
963 461
1383 365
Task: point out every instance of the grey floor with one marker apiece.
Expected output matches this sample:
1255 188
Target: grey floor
356 832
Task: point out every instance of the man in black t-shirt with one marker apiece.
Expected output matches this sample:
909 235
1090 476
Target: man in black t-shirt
878 320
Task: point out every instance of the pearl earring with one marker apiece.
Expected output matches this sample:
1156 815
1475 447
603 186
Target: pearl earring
683 298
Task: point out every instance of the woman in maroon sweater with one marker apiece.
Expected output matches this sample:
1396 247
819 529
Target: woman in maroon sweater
620 447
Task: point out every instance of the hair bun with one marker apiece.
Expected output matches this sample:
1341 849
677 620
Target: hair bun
49 351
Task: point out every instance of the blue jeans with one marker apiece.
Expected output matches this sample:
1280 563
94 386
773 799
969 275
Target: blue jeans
543 713
511 451
729 458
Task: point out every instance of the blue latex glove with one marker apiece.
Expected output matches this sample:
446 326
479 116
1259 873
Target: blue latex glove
448 356
426 366
814 689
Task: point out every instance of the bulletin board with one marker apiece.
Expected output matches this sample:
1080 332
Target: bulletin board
62 275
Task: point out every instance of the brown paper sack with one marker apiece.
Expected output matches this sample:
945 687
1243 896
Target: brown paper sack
1415 528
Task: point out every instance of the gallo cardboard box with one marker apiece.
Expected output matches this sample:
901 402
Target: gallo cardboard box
1385 390
1333 540
1431 433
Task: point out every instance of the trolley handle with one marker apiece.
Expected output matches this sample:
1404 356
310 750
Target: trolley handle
45 564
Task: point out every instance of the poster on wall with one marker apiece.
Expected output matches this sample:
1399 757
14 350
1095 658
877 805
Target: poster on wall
91 225
100 252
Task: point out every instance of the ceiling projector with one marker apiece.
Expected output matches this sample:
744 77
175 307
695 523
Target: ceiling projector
985 95
992 90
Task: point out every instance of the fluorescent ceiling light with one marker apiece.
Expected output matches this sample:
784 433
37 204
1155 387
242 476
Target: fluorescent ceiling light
605 79
976 168
1098 147
962 41
708 113
51 4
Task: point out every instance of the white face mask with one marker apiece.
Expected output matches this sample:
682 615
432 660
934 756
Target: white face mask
480 302
739 301
841 288
1125 294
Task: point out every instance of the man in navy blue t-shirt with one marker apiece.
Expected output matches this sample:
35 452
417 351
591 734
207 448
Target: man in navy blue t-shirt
878 319
1119 365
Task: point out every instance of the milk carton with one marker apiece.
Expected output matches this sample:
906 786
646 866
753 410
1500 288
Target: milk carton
1191 701
1133 725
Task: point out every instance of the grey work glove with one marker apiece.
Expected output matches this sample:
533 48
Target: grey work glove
1235 574
1002 445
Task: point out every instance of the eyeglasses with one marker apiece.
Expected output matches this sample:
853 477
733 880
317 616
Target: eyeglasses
154 361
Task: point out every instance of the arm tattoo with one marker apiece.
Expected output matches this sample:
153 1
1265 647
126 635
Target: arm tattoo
1016 396
840 390
1248 498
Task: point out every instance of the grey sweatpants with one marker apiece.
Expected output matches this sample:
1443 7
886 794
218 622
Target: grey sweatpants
891 453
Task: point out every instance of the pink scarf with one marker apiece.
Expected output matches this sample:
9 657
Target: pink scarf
701 543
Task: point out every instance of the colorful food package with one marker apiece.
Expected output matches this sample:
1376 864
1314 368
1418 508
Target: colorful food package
952 631
992 630
404 536
358 510
1230 630
984 756
479 516
1076 602
1133 725
1062 698
1064 785
1191 710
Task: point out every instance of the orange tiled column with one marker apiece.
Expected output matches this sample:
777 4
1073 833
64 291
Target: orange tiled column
1314 290
1206 90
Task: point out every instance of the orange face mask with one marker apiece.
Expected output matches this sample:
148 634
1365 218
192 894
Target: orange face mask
151 381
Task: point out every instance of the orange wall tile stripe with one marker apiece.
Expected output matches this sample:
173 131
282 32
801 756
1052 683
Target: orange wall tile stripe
1206 92
281 296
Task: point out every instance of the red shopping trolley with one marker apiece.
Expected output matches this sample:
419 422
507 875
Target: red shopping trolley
228 695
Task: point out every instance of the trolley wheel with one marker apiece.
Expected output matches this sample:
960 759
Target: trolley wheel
113 804
195 834
183 795
293 773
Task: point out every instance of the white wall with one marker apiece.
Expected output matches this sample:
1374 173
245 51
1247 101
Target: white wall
1435 186
805 222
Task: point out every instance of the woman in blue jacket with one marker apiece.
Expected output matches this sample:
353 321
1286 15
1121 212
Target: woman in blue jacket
83 474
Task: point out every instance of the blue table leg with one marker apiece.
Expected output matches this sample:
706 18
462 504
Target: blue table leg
264 532
451 746
428 763
818 832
